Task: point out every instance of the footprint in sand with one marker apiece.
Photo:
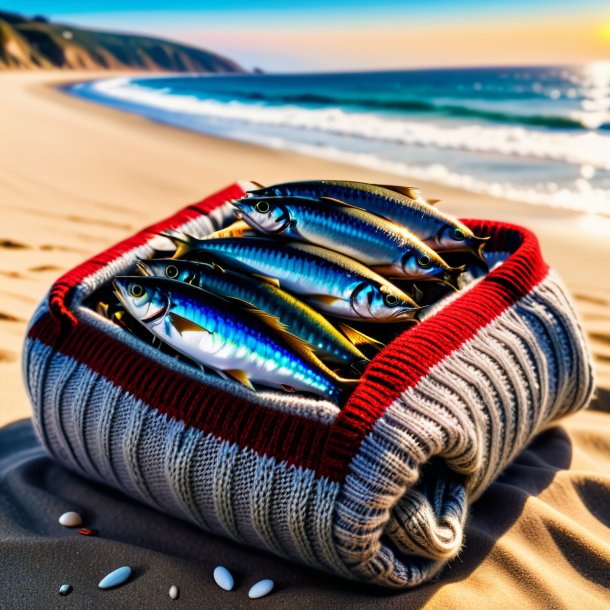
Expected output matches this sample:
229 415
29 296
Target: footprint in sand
7 356
53 247
43 268
9 244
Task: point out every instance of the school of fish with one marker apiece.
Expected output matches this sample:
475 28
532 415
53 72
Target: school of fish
303 287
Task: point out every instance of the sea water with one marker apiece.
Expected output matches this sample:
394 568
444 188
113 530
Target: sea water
534 134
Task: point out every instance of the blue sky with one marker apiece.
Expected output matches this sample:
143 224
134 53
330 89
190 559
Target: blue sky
344 34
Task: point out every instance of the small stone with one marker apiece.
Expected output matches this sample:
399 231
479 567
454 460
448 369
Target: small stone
84 531
71 519
223 578
115 578
174 592
261 588
65 589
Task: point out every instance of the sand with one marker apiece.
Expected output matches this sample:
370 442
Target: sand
76 177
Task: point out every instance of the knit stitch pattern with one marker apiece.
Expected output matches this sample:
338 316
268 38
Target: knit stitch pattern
377 491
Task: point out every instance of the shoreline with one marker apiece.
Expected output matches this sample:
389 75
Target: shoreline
81 176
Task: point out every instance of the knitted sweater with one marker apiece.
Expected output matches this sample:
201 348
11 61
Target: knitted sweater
377 491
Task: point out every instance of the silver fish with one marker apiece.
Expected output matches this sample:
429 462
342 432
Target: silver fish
440 231
381 244
302 320
329 281
229 336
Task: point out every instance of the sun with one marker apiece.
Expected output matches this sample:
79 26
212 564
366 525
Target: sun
604 32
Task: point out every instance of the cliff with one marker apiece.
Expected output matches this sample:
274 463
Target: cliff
37 43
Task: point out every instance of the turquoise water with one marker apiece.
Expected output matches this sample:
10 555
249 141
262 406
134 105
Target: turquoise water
540 135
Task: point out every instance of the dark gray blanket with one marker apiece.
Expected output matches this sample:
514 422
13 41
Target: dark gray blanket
37 554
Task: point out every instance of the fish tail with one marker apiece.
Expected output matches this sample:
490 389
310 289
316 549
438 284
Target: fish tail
184 243
477 245
452 275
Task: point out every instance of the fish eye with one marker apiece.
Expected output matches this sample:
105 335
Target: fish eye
263 207
136 290
390 300
457 234
424 261
171 271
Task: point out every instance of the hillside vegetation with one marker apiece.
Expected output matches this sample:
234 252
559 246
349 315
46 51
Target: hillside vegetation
36 43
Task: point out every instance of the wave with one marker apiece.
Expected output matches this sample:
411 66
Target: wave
595 202
581 148
452 110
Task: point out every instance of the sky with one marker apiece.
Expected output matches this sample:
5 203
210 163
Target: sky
326 35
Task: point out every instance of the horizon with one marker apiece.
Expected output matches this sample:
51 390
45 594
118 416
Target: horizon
398 36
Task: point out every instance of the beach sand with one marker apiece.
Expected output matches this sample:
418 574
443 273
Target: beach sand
76 177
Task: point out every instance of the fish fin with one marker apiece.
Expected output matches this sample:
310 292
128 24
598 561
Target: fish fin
102 309
340 203
432 201
408 191
274 322
269 280
183 325
240 376
358 338
294 342
416 293
184 243
235 229
257 184
323 299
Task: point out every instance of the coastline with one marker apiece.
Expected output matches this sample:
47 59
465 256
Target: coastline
76 177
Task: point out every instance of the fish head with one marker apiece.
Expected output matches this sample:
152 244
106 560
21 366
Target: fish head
141 298
458 237
265 214
382 303
422 264
172 269
430 266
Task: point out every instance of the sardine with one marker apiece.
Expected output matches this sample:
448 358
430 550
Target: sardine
384 246
230 336
437 230
329 281
301 320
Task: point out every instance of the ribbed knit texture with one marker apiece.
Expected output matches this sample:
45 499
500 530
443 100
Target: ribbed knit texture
378 491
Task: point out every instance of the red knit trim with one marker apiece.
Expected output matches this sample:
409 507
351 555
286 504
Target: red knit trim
288 437
404 362
60 295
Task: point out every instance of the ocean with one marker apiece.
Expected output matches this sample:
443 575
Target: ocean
534 134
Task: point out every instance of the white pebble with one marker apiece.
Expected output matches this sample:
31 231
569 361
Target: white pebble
174 592
71 519
260 589
223 578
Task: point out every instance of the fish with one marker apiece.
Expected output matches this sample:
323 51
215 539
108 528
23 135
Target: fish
327 280
382 245
216 275
439 231
230 336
